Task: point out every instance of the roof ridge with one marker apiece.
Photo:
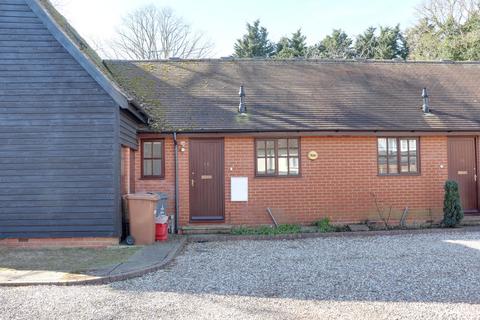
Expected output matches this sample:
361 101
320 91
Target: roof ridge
297 60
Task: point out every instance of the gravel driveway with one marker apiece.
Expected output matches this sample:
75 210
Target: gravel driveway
434 276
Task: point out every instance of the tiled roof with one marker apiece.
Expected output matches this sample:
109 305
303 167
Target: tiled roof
303 95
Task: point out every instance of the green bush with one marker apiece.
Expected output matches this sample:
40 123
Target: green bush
267 230
324 225
452 208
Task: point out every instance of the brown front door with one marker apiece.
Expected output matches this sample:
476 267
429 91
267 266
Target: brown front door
462 168
206 180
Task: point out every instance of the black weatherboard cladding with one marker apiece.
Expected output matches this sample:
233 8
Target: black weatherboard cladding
128 130
58 137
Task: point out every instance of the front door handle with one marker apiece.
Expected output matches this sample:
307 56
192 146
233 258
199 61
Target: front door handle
193 183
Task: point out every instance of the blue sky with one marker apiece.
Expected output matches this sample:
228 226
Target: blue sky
224 21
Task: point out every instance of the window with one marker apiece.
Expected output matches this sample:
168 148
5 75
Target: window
277 157
152 159
398 156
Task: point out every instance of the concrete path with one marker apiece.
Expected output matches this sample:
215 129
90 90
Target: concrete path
147 259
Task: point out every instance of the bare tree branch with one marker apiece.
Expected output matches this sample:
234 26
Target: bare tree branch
439 12
152 33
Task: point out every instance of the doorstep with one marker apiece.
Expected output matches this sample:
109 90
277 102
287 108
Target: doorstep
147 259
471 220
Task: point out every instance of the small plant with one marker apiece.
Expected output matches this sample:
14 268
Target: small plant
267 230
452 208
324 225
382 212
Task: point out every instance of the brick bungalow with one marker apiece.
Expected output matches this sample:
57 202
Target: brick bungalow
226 139
306 138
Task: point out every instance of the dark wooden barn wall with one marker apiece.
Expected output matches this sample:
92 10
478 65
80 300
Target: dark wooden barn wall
58 137
128 130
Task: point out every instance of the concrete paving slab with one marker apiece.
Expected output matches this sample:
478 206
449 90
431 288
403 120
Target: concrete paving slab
147 259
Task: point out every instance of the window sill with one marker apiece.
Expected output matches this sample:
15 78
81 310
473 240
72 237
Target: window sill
279 177
399 175
153 178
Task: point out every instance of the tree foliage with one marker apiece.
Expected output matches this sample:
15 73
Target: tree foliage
452 208
389 43
446 29
254 43
157 33
337 45
366 44
293 47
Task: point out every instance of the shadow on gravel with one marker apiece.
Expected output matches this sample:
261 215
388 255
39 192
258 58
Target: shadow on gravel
411 268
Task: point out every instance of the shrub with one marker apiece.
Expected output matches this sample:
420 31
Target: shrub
324 225
452 208
267 230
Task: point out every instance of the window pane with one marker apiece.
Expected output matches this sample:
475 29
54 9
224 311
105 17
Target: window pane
403 163
382 147
413 148
282 148
271 148
392 155
392 146
260 148
157 150
392 165
147 167
293 152
294 168
270 165
261 166
147 149
293 143
413 145
283 166
157 167
413 164
282 143
382 165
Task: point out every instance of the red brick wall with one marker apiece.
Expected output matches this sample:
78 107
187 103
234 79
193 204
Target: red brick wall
166 185
339 184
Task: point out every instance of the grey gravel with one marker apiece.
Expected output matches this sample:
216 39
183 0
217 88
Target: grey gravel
433 276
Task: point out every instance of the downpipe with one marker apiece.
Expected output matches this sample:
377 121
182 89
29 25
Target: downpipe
175 142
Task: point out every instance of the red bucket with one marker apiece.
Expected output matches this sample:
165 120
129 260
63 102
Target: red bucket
161 231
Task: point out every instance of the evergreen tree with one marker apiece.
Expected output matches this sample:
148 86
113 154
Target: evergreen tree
366 44
389 44
338 45
452 209
292 47
254 43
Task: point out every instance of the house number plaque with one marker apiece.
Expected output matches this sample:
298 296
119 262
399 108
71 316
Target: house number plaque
312 155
